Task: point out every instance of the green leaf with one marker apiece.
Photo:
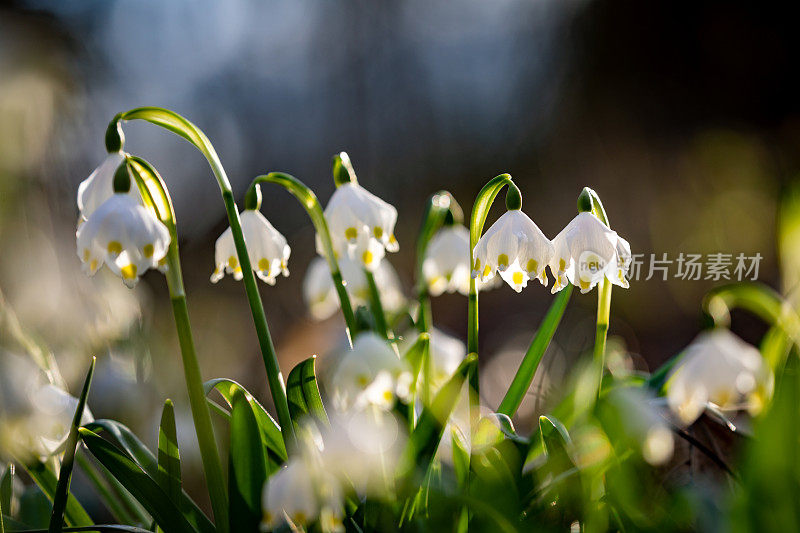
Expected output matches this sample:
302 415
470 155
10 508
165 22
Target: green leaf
143 487
248 470
100 529
6 492
270 431
46 480
153 190
145 459
555 437
169 457
68 461
541 340
425 438
303 393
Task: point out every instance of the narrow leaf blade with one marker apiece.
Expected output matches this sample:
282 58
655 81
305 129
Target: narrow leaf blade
248 470
169 457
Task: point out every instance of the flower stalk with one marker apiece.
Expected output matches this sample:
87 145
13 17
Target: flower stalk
155 194
440 206
311 204
182 127
589 201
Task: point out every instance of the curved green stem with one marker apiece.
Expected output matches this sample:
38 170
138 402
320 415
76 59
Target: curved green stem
182 127
483 202
155 194
311 204
439 204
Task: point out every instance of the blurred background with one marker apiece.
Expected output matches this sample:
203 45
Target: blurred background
682 115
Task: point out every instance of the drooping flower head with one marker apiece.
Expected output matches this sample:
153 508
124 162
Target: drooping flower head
586 251
300 494
99 186
514 247
266 247
720 369
123 234
35 415
320 295
369 375
360 223
446 263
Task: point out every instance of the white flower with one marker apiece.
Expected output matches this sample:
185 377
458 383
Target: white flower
586 250
125 235
369 374
362 449
361 225
721 369
320 294
446 263
35 416
446 354
299 494
99 186
516 248
266 248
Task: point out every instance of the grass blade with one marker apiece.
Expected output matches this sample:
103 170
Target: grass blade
143 487
271 435
425 438
303 393
169 457
45 479
65 476
527 368
144 458
6 493
248 469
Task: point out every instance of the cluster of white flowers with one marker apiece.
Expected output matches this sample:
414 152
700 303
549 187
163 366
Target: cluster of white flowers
583 253
359 452
320 295
35 415
115 228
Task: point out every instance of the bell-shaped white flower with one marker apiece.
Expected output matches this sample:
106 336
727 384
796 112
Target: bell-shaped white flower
446 263
299 494
320 294
361 225
516 248
720 369
266 248
99 186
125 235
586 251
369 375
35 416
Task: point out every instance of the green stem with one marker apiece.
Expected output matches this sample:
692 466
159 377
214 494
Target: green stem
194 385
603 311
439 205
118 510
274 376
309 201
527 368
182 127
376 306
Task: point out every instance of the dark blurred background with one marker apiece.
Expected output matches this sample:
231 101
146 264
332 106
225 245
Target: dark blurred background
682 115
